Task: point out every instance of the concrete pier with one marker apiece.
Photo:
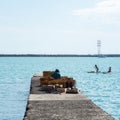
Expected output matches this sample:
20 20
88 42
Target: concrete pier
42 106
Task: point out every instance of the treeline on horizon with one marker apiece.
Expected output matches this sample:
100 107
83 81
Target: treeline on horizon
58 55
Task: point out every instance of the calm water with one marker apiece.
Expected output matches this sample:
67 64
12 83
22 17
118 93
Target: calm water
16 72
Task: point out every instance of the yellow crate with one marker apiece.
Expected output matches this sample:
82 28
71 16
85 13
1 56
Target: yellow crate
47 73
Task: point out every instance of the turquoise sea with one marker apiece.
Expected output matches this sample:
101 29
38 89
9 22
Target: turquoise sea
16 73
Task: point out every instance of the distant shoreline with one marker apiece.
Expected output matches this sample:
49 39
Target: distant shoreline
57 55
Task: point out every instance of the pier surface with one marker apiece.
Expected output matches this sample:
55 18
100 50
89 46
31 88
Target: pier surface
42 106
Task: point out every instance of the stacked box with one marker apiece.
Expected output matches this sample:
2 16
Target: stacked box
47 73
43 81
65 82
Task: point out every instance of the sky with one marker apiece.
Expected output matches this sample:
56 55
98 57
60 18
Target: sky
59 26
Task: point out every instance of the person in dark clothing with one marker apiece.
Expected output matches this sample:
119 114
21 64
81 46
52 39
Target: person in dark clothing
97 69
109 70
56 74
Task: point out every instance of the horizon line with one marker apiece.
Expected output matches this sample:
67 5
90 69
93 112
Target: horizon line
59 55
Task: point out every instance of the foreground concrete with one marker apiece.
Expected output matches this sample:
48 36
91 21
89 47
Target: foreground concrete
42 106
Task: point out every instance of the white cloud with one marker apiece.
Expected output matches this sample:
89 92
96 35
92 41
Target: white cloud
104 12
102 7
